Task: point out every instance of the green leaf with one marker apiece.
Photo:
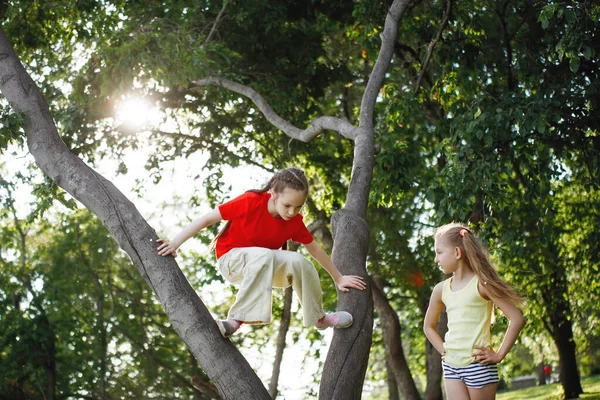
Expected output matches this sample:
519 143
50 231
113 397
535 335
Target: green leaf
541 126
570 16
574 64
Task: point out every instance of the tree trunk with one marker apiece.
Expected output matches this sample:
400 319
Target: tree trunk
569 372
51 385
433 363
346 364
539 370
393 393
229 370
392 339
562 333
283 329
101 323
556 298
48 347
45 340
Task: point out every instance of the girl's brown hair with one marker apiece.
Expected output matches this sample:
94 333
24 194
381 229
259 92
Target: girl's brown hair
477 257
292 178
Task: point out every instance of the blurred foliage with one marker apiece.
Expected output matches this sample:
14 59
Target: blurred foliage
74 310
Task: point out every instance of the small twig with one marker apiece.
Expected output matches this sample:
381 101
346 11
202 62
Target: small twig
214 27
436 39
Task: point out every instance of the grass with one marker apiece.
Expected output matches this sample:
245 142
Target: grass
590 384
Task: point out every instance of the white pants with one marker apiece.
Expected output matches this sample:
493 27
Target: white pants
257 270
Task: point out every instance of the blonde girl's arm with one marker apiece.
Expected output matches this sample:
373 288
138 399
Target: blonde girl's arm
343 282
208 219
516 323
434 310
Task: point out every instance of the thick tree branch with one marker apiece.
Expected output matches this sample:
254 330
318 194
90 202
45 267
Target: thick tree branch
364 149
342 126
408 56
187 313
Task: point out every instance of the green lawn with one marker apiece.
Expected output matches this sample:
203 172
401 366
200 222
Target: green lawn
591 388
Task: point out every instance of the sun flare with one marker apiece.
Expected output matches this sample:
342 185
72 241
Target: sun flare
136 112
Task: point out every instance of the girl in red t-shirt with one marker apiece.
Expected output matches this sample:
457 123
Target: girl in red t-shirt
259 222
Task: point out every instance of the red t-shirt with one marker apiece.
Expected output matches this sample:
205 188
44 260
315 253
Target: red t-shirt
253 226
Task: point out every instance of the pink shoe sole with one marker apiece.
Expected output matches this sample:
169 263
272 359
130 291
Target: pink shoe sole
340 320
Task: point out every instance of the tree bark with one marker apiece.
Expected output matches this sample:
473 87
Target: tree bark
433 359
45 341
231 373
392 339
433 364
393 393
561 329
539 370
101 323
346 363
347 359
283 329
563 338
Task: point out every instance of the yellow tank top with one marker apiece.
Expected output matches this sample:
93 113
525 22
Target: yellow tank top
469 322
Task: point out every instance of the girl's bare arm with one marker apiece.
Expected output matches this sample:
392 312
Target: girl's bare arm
343 282
436 306
517 321
208 219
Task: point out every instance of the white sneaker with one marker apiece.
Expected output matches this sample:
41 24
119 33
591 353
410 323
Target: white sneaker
340 320
228 327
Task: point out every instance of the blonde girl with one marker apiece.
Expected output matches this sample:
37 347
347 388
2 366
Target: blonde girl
468 359
248 253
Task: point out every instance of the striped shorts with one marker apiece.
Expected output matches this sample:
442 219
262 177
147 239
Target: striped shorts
474 376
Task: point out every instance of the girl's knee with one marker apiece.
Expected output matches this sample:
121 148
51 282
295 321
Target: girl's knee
261 256
302 263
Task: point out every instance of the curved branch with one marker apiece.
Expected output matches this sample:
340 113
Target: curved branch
187 313
342 126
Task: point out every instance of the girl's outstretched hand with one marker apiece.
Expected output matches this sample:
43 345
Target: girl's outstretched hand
166 248
486 355
347 282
